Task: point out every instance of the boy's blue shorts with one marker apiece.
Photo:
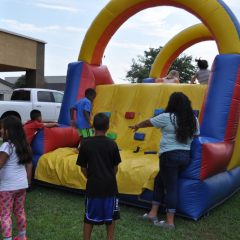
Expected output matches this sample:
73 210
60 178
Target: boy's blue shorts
101 210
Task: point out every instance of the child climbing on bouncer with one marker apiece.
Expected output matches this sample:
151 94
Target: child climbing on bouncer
83 110
32 126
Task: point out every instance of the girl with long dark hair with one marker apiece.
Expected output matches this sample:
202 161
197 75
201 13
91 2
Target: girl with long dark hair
203 74
15 176
178 125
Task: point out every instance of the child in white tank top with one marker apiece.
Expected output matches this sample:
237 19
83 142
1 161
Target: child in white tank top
15 176
172 77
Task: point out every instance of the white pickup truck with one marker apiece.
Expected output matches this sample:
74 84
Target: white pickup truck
24 100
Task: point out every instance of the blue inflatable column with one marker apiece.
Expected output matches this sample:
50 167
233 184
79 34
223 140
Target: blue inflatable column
71 91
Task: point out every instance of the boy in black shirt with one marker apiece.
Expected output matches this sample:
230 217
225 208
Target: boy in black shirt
99 158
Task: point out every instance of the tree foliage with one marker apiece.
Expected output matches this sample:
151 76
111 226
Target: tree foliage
141 67
21 82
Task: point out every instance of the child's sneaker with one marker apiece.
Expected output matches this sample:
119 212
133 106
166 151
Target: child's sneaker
17 238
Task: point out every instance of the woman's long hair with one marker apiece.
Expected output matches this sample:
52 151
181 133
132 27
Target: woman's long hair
182 116
13 133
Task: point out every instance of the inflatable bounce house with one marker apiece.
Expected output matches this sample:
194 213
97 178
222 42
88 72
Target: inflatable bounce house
214 172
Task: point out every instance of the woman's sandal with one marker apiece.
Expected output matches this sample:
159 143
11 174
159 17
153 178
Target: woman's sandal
146 217
164 224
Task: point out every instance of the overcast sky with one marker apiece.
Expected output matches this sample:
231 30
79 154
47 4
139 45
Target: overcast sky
63 24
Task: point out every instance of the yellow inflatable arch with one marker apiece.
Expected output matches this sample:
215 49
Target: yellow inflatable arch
176 46
213 13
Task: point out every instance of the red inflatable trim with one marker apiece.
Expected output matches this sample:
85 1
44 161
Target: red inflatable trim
215 158
87 80
60 137
101 74
92 76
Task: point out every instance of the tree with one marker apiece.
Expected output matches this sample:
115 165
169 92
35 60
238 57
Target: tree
21 82
141 67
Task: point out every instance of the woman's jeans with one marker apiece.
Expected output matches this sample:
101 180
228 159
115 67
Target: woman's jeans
166 182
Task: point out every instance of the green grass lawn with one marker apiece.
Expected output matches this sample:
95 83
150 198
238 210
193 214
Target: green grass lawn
54 214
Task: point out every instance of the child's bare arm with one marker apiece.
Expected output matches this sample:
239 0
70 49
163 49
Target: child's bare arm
3 158
84 171
176 80
72 122
159 80
87 116
193 79
28 167
50 125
